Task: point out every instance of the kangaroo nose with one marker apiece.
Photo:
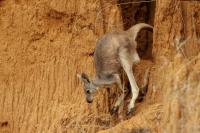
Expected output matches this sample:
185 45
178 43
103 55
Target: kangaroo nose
89 101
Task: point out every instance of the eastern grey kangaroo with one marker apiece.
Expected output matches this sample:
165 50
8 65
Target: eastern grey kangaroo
115 51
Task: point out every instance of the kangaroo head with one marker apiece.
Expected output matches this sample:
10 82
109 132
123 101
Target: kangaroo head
89 87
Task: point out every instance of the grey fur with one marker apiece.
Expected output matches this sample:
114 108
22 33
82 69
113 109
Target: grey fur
115 52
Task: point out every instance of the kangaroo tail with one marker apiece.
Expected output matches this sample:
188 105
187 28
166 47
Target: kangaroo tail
133 31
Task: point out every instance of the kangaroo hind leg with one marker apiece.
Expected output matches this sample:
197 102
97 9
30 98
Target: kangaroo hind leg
127 62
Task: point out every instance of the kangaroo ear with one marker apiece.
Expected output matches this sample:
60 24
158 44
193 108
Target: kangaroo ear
84 77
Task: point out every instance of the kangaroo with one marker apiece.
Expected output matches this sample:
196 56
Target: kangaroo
114 52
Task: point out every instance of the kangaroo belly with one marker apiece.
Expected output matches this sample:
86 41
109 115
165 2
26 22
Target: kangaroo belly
112 66
107 64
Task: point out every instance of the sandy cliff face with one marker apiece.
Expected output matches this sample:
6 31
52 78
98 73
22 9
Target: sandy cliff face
171 104
44 44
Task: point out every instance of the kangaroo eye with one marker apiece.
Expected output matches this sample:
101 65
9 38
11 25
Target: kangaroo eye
88 91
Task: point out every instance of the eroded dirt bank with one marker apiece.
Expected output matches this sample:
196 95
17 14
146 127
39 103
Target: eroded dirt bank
44 44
